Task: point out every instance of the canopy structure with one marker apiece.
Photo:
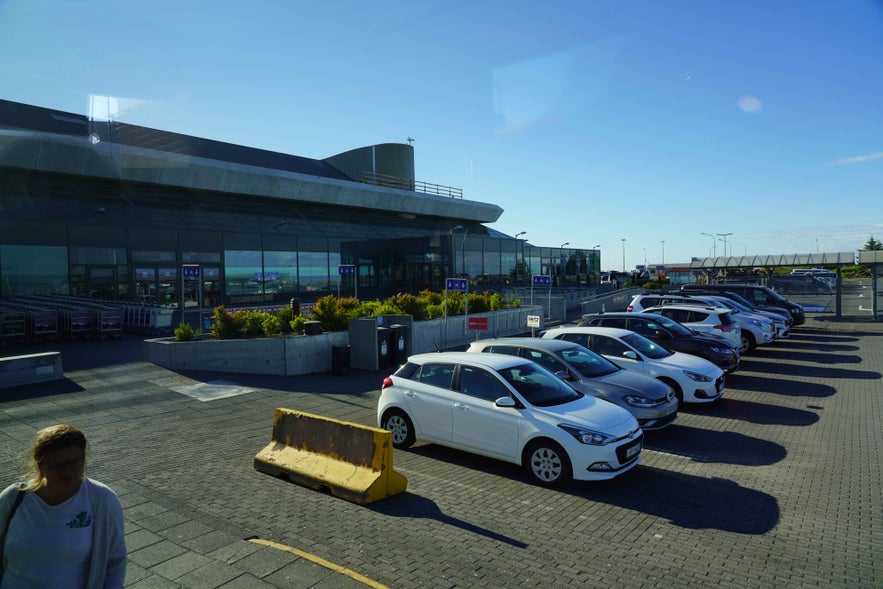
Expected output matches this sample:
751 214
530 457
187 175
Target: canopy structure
814 260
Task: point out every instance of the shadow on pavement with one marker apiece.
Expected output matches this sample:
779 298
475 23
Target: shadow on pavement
778 386
759 413
702 445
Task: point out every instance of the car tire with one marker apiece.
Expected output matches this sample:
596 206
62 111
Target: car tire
402 428
547 463
748 343
679 392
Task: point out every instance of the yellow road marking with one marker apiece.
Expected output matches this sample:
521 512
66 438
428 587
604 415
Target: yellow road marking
322 562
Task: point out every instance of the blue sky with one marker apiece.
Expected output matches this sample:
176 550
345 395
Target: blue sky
589 122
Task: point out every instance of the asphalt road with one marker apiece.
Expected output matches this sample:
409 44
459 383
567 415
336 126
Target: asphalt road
776 485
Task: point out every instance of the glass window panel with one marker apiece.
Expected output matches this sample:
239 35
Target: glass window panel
97 255
243 276
280 275
153 256
33 269
201 257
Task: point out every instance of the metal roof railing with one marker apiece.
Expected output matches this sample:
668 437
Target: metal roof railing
413 185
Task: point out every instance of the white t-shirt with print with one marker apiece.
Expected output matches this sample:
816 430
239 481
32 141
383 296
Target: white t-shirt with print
49 545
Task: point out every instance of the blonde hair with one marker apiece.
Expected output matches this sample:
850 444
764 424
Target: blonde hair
48 439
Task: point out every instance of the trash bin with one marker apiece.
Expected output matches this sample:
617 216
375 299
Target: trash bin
398 344
340 360
383 334
312 328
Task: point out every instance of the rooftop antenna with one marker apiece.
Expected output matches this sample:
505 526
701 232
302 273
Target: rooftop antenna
410 140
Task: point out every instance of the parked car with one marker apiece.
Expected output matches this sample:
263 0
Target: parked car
512 409
781 317
759 295
708 320
693 379
671 335
652 402
757 330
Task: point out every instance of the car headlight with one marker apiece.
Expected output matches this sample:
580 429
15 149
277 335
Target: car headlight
639 401
719 350
697 377
757 322
587 436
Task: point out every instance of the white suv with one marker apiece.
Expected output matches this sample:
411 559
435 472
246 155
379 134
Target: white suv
708 320
512 409
757 330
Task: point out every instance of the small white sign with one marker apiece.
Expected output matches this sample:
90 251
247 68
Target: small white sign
533 320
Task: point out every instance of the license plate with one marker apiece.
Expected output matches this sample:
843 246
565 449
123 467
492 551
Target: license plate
720 385
671 410
633 450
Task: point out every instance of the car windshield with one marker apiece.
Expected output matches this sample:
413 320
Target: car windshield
588 363
538 386
646 347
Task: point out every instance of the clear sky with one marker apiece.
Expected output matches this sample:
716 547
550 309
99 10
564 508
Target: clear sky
587 121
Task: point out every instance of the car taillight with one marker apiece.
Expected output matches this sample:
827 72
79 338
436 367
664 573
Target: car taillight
724 327
387 382
628 309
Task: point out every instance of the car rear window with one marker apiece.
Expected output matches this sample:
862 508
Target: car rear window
436 374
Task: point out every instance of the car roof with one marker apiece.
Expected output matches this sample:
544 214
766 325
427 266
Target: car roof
717 310
551 345
609 331
640 315
493 361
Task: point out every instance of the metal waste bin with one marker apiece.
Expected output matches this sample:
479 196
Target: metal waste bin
383 334
312 328
398 342
340 360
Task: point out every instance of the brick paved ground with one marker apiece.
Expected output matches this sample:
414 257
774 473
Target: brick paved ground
778 484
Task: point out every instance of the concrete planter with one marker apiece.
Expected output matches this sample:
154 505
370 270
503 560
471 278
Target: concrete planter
290 356
282 356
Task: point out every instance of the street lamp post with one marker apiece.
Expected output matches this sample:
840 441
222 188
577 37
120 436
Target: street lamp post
713 243
663 252
623 254
724 235
519 262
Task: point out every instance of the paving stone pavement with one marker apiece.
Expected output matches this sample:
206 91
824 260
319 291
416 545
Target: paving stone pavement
778 484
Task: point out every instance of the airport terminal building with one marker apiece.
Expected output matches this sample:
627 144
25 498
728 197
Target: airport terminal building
109 210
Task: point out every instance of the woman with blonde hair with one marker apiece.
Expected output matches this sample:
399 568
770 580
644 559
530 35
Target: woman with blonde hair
61 529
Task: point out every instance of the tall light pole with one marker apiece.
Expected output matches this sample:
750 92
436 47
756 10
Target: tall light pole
462 249
724 235
663 252
713 243
623 254
518 263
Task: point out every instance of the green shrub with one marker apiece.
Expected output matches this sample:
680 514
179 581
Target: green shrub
271 325
228 325
297 324
284 316
184 333
254 323
332 317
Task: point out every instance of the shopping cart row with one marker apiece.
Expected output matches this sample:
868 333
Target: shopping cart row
48 318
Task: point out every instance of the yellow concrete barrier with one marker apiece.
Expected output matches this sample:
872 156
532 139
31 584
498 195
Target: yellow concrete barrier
353 461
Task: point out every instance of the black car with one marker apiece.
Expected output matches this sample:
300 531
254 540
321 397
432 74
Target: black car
670 335
780 311
759 295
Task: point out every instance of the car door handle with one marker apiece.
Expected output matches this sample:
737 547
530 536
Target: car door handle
461 406
410 394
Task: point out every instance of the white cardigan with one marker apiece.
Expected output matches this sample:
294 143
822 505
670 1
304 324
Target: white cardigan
107 567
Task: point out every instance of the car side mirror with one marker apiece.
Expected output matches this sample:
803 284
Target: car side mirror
505 402
564 375
630 354
662 334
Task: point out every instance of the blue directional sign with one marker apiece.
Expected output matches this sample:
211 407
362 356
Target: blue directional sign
542 280
640 267
461 284
190 271
346 270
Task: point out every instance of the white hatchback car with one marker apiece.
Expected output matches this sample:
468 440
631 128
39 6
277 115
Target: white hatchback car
693 379
708 320
512 409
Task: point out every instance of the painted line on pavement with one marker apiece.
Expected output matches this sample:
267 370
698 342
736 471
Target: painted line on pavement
320 561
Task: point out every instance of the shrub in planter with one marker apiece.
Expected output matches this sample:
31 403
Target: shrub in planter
228 325
184 333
